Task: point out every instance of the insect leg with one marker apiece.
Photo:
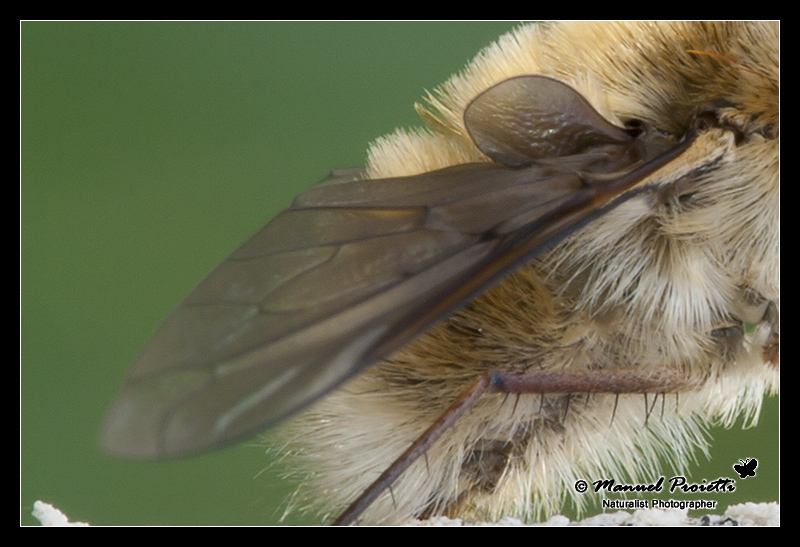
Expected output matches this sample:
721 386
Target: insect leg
592 381
418 448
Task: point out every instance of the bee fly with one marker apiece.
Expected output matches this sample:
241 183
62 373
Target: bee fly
470 324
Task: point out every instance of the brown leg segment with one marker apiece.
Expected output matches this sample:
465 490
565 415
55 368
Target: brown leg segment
615 381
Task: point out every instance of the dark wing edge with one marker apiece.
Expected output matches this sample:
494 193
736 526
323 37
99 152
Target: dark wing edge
354 270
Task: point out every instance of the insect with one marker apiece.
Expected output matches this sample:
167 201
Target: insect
591 218
747 469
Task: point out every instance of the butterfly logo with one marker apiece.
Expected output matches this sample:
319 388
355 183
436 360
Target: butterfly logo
747 469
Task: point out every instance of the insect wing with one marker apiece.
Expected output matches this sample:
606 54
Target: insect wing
354 270
535 117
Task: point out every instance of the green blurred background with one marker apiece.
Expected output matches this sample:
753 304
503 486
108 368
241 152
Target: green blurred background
149 152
